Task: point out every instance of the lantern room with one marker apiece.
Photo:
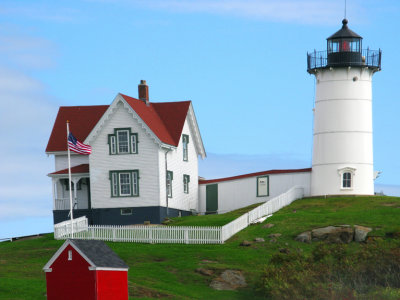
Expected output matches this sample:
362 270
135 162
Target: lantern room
344 47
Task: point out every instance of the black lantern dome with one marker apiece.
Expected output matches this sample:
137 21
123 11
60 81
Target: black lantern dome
344 49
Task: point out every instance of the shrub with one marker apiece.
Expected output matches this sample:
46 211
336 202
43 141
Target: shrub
334 272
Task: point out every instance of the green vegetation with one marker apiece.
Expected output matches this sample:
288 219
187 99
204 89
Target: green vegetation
211 220
271 269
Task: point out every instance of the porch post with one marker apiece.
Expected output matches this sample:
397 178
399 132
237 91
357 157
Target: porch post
75 180
54 182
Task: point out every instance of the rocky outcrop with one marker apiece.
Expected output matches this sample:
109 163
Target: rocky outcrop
228 281
205 272
259 240
335 234
245 243
361 232
269 225
304 237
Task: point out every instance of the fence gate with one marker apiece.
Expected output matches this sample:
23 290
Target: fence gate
211 199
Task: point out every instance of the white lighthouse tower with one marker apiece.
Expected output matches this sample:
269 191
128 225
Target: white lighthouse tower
342 160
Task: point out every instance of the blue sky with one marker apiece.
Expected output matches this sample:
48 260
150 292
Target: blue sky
242 63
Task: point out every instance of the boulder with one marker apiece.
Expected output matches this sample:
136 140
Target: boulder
205 272
274 235
269 225
304 237
333 234
259 240
284 250
245 243
229 280
361 232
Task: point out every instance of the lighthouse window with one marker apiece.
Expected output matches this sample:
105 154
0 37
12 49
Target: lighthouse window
346 181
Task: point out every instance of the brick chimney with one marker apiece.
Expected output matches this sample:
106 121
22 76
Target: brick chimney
143 91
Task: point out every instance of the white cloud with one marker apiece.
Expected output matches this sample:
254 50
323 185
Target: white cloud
292 11
40 12
26 117
27 52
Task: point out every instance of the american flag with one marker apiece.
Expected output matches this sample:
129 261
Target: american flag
77 146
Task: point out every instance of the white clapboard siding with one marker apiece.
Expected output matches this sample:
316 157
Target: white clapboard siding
174 234
61 160
238 193
178 166
146 161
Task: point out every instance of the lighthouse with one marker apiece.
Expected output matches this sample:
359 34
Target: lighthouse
342 162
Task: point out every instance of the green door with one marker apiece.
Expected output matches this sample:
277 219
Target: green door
211 199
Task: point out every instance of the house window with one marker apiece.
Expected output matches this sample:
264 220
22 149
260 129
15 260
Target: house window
262 186
346 180
66 184
124 183
185 142
126 211
170 177
123 141
186 180
69 254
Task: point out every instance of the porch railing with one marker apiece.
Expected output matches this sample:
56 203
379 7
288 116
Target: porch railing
63 204
174 234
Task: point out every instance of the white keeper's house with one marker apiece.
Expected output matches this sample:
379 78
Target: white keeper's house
144 161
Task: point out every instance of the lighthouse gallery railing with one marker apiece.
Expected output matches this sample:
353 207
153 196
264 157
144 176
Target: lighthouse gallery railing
320 59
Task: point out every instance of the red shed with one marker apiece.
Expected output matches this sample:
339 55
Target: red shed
86 270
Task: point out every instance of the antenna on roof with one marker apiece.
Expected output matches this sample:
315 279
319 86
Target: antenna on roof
345 6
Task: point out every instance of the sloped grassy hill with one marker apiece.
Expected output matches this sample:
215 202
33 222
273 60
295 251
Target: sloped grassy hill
168 270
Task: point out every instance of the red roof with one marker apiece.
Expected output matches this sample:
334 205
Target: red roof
166 120
202 181
84 168
82 120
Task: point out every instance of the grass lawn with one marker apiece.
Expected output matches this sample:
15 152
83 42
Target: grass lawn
168 270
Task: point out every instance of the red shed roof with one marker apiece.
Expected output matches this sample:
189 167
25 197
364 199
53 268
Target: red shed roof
84 168
166 120
203 181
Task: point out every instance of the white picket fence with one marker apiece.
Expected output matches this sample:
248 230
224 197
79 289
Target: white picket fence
173 234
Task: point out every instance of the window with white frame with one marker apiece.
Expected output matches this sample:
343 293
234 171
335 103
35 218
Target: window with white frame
347 178
263 186
170 177
123 141
124 183
186 180
185 142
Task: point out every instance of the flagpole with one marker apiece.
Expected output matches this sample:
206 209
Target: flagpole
70 184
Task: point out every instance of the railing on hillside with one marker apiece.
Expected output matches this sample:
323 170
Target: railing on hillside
63 230
173 234
268 208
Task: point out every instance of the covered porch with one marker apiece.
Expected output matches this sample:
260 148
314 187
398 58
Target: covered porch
80 183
